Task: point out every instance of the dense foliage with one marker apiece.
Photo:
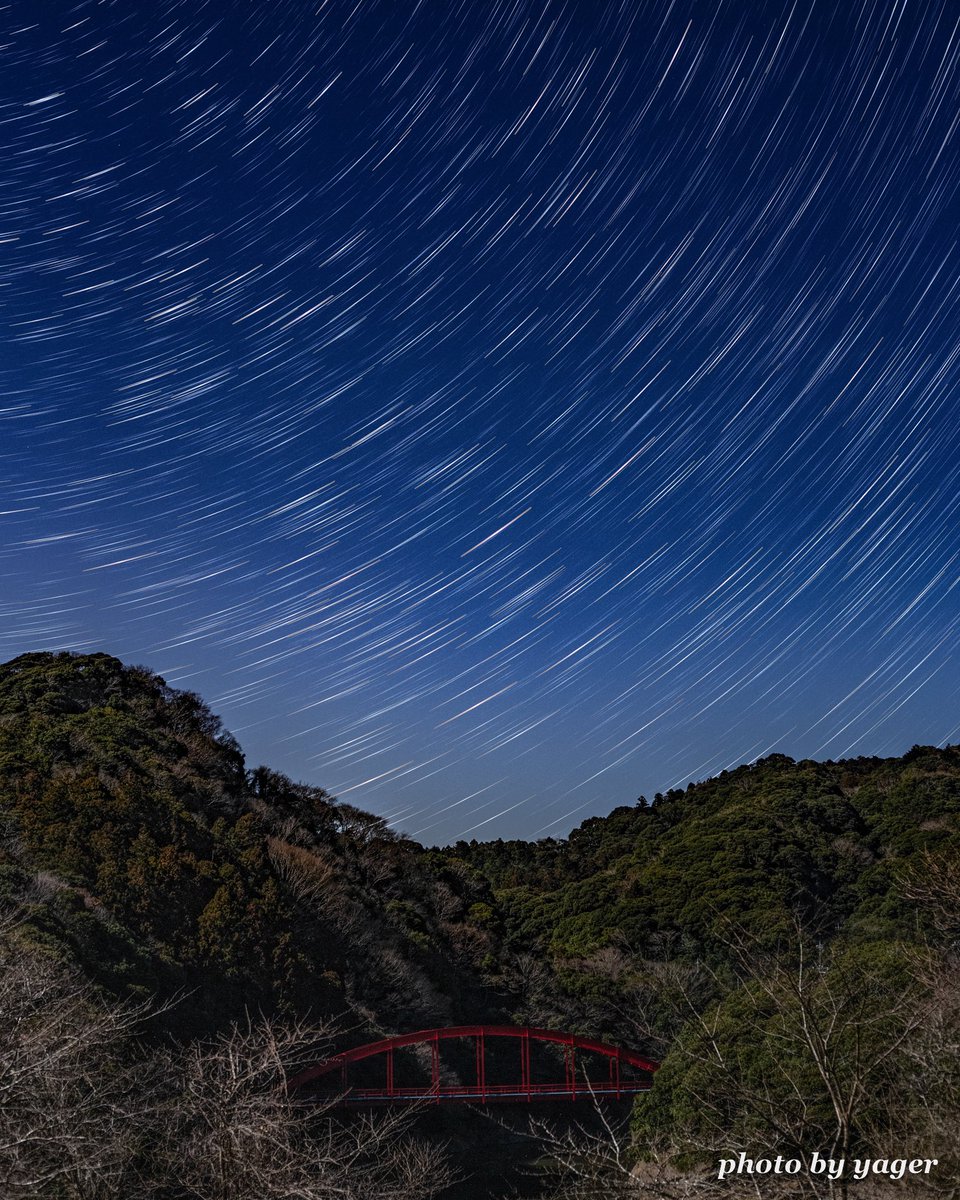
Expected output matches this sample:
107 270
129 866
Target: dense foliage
146 850
762 848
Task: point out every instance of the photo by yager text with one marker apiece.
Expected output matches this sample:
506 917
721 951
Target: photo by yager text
828 1168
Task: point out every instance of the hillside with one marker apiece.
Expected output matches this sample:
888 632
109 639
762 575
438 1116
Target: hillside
139 853
762 847
145 849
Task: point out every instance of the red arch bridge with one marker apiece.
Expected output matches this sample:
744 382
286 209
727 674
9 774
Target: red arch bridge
532 1077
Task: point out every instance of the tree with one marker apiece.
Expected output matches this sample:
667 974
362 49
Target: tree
932 1072
72 1106
804 1053
236 1132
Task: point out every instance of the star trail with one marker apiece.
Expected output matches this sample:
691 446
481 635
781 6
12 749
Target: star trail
493 410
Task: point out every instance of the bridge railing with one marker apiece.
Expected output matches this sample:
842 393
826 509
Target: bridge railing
482 1090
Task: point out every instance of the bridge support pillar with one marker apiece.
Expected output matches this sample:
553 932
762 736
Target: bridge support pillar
481 1049
525 1063
615 1074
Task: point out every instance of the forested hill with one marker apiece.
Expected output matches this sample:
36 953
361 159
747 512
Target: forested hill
144 850
761 845
763 849
149 849
137 846
786 939
145 846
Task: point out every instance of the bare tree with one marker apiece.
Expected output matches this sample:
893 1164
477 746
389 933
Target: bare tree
599 1163
235 1132
71 1106
88 1112
934 885
932 1075
800 1057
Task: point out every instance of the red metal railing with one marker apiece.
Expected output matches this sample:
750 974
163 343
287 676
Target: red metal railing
482 1090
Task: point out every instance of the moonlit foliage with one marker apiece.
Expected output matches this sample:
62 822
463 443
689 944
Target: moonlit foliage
494 409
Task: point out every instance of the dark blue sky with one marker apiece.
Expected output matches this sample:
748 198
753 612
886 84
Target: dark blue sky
498 410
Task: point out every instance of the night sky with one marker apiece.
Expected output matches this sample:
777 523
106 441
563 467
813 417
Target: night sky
494 410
